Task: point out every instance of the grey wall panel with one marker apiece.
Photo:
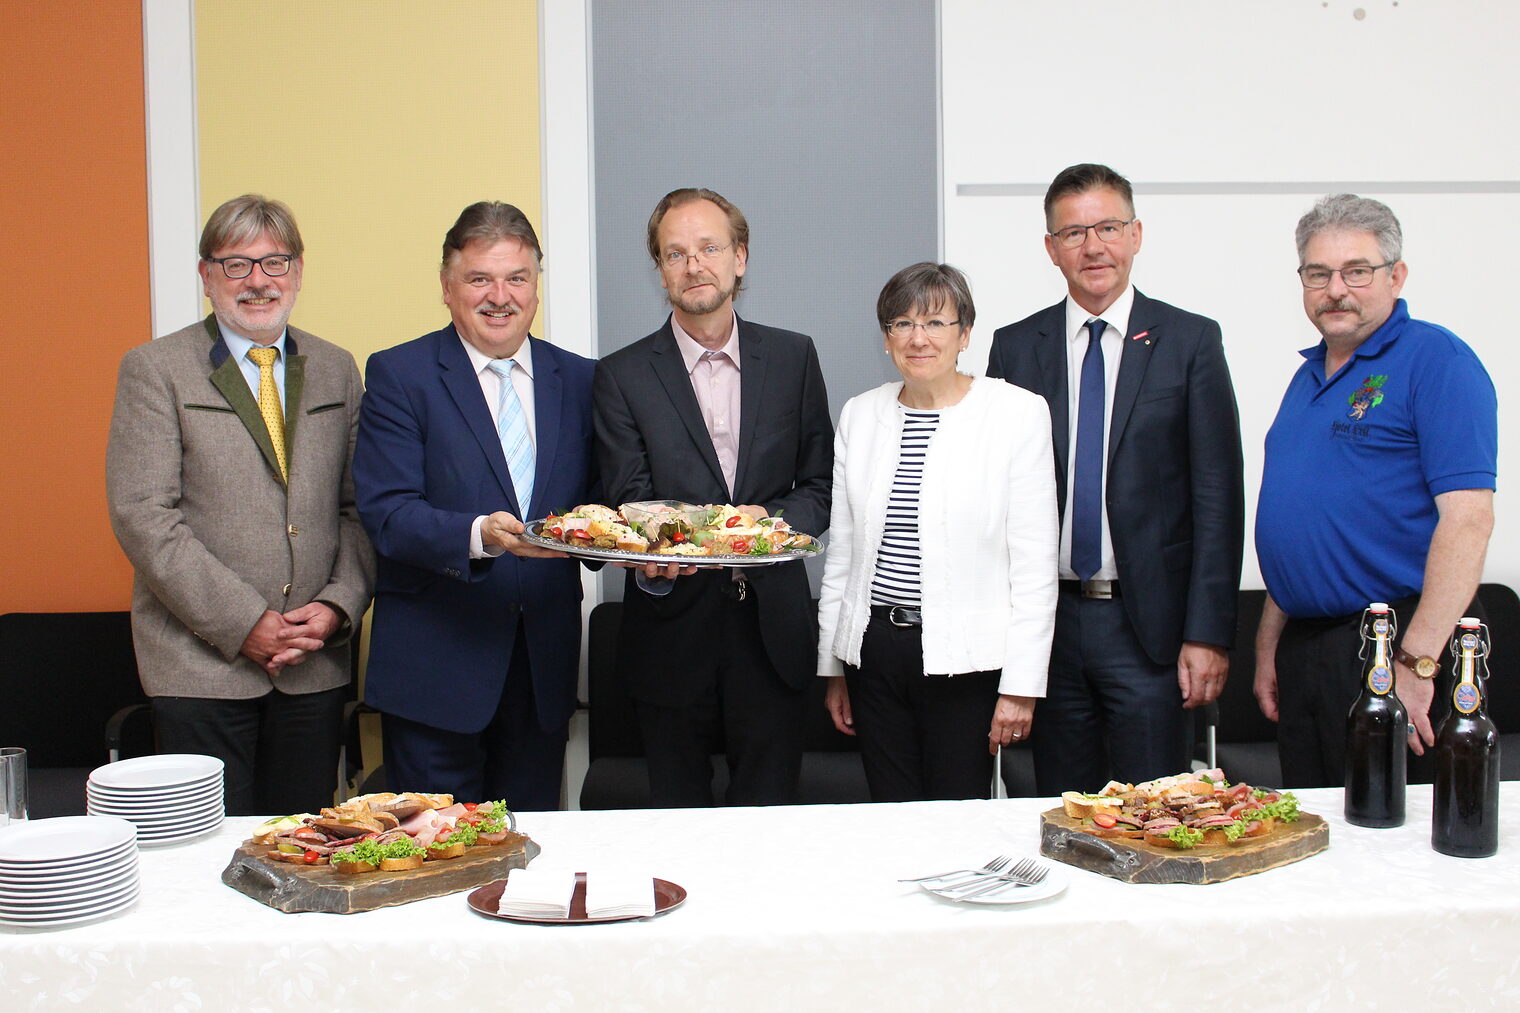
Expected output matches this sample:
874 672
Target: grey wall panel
820 121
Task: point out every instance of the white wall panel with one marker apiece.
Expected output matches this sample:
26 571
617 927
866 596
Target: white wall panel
1230 117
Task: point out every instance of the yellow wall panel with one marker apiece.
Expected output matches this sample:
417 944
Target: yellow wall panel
377 123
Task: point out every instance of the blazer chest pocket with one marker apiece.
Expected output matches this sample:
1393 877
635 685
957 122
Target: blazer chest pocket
223 409
319 409
1162 394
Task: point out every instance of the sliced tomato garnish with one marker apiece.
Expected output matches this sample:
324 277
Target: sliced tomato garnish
311 858
1105 821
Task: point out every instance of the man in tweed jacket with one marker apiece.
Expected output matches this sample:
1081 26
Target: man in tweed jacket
251 564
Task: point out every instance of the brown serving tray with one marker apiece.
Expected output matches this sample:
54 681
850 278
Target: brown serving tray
289 887
1142 862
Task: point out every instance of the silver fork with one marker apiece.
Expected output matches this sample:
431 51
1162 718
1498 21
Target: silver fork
1026 873
993 866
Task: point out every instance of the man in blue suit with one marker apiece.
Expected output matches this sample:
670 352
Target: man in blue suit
464 432
1146 444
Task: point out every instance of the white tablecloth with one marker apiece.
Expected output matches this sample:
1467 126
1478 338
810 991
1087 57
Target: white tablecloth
797 908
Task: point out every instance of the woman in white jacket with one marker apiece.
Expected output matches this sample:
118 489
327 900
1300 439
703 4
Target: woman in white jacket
939 588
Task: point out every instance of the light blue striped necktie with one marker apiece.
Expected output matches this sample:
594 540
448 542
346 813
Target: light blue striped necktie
512 428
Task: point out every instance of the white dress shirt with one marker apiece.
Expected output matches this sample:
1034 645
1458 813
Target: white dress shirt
490 389
1112 344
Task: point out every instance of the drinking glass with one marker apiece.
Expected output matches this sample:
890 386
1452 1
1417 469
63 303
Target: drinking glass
12 784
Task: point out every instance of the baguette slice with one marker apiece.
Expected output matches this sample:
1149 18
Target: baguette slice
353 868
398 864
1080 806
436 853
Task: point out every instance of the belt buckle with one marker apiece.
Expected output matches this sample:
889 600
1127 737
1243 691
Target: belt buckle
908 612
1102 590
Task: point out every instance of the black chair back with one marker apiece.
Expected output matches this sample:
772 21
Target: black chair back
62 677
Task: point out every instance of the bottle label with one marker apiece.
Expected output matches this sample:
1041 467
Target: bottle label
1380 627
1469 642
1466 698
1380 680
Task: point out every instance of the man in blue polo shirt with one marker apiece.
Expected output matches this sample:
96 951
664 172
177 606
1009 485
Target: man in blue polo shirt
1378 486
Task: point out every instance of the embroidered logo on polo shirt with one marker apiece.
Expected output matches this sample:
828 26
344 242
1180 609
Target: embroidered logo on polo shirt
1368 396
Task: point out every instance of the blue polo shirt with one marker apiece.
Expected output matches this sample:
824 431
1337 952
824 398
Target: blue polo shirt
1354 463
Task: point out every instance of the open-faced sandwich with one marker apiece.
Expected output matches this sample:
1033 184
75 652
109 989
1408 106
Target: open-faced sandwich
1187 810
668 527
386 832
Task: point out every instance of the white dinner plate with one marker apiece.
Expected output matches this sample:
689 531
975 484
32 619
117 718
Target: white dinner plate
157 833
1055 881
56 920
181 838
122 854
10 892
61 838
207 789
104 897
166 817
165 770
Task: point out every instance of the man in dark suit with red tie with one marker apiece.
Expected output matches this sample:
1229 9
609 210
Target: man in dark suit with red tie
711 408
1148 477
465 433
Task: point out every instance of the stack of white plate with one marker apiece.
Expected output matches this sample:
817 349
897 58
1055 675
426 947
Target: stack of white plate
171 797
66 870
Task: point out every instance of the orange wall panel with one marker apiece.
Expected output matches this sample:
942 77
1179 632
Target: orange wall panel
74 278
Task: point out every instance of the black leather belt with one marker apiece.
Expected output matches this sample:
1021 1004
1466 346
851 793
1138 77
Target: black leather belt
899 615
1103 589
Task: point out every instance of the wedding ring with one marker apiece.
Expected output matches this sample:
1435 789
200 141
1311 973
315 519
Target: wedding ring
1411 730
1016 734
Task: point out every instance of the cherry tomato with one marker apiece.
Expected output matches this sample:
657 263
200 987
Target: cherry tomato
732 522
1104 820
678 537
741 545
443 834
557 532
470 807
311 858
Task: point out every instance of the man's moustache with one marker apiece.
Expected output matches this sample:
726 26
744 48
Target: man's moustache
263 293
506 308
1338 306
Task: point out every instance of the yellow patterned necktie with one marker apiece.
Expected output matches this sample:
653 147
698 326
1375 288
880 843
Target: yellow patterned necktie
269 404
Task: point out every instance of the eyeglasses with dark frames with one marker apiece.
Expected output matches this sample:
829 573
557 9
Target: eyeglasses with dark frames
273 265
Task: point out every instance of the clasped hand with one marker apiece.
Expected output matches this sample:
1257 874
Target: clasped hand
278 640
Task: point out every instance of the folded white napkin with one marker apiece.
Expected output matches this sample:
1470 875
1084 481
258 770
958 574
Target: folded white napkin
538 893
619 894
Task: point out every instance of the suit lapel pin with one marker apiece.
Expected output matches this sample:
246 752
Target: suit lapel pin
1142 334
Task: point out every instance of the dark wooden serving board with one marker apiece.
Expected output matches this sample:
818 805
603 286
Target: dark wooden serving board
288 887
1142 862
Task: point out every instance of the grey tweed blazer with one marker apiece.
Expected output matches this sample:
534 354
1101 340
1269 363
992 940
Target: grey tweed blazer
215 535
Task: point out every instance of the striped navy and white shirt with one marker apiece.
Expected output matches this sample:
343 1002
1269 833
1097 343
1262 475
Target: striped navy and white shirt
896 581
